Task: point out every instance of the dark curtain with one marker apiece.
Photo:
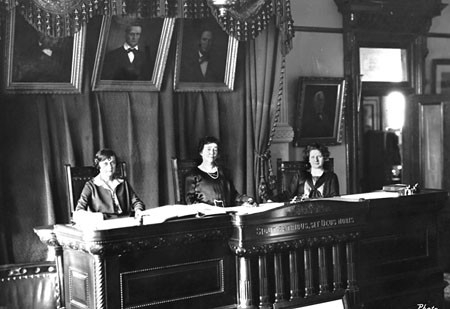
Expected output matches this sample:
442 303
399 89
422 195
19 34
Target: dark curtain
41 133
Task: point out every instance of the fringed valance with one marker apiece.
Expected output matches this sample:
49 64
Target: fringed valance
243 20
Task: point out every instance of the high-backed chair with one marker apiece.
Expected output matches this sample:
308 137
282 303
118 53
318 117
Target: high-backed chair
179 170
77 176
288 169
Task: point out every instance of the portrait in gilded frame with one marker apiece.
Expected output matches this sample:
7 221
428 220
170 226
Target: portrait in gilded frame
40 63
205 58
131 53
319 111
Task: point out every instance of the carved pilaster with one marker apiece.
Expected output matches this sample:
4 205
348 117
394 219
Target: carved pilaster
99 282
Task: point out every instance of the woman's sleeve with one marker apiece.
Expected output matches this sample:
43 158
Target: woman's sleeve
191 195
136 202
334 185
235 198
85 198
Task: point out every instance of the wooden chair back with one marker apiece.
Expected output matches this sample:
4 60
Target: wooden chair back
288 169
179 170
77 176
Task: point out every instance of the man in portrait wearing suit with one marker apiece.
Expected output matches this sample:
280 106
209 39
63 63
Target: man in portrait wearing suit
317 123
45 61
202 66
129 61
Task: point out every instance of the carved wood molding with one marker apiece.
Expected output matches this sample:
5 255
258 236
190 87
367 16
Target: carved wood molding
285 246
406 16
132 245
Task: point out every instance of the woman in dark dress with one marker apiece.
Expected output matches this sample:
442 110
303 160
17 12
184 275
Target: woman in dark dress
317 182
207 182
107 193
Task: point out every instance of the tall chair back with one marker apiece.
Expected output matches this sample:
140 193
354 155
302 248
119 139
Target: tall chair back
77 176
179 170
288 169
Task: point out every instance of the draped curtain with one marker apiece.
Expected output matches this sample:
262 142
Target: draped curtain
41 133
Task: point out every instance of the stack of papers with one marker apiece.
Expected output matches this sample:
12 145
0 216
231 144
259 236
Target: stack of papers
371 195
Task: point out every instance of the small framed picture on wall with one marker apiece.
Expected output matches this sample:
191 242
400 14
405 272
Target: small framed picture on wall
440 70
319 111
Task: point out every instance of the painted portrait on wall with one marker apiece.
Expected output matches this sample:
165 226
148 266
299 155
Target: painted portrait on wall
40 63
319 111
206 57
132 53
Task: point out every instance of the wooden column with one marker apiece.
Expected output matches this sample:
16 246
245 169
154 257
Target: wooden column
352 286
263 283
245 284
293 268
351 280
309 284
279 278
337 268
323 274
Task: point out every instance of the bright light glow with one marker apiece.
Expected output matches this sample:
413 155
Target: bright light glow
395 110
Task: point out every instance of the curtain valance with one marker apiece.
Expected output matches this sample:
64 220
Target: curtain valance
242 19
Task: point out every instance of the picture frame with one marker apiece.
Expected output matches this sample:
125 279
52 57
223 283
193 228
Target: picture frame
371 113
319 111
219 71
440 78
112 37
38 63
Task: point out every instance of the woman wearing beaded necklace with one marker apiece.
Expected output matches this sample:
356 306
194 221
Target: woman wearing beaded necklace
207 182
318 182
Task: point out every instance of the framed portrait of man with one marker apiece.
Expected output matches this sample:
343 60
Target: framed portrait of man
319 111
131 53
205 58
40 63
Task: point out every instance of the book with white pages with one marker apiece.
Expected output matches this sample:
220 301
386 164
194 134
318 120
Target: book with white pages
164 213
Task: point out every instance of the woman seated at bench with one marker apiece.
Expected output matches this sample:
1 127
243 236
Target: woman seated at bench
315 182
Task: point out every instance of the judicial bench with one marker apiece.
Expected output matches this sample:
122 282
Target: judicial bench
373 250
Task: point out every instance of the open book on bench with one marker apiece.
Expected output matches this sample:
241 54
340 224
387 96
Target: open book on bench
95 220
164 213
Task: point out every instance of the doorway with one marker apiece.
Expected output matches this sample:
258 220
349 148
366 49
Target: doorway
382 121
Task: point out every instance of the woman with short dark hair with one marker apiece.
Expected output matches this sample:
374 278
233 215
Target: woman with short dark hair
207 183
107 192
315 182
